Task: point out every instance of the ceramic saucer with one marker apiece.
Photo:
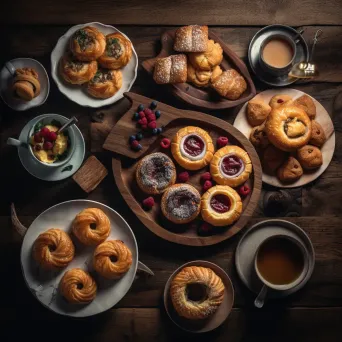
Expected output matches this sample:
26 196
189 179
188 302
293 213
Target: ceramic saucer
254 50
251 240
6 80
38 170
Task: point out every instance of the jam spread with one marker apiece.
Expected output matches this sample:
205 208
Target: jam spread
220 203
231 165
193 145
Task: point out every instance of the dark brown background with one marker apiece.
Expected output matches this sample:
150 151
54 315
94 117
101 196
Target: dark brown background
31 29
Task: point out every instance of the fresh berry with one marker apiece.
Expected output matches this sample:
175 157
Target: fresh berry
48 145
152 125
134 144
139 136
244 190
148 203
205 176
142 121
183 176
204 229
52 136
148 111
140 107
139 147
132 138
151 117
153 105
157 114
165 143
37 147
155 131
136 116
37 138
44 132
141 114
144 127
160 129
222 141
207 185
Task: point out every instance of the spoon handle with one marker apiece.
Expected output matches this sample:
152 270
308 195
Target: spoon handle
260 300
315 40
10 67
72 121
16 142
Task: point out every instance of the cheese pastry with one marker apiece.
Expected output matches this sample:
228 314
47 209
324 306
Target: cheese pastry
105 83
192 38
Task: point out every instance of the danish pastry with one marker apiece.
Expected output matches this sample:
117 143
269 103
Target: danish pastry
26 84
306 103
272 158
288 128
221 206
318 137
208 59
230 166
91 226
87 44
155 173
192 148
199 78
181 203
192 38
310 157
118 52
258 137
290 171
171 69
278 100
53 249
196 292
77 286
257 112
112 259
105 83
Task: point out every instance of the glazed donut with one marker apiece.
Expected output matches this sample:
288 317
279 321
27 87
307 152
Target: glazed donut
77 286
221 206
230 166
91 226
53 249
105 83
155 173
192 148
196 292
112 259
278 100
288 128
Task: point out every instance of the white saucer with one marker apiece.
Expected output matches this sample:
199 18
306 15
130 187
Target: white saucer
38 170
6 80
251 240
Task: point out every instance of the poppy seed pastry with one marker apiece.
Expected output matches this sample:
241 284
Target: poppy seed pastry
310 157
192 38
290 171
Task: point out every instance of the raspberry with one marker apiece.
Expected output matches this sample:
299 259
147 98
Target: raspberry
47 145
135 144
222 141
152 124
204 229
205 176
165 143
44 132
157 114
244 190
52 136
151 117
132 138
142 121
148 203
148 111
37 147
136 116
207 185
183 176
153 105
140 107
144 127
141 114
37 138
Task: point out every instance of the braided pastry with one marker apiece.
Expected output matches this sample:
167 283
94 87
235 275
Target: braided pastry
53 249
112 259
91 226
26 84
209 296
77 286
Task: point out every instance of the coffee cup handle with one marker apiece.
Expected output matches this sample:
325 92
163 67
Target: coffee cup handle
260 300
16 142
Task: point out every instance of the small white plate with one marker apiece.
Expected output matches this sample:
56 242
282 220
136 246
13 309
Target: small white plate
6 81
79 93
44 284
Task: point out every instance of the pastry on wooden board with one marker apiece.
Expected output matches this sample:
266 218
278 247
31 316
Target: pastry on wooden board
171 69
257 112
290 171
192 38
318 137
105 83
306 102
26 85
310 157
279 100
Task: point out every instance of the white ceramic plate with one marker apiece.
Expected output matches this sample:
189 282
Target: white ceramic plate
6 80
44 284
322 117
78 93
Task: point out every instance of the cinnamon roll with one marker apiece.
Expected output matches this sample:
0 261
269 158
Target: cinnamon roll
105 83
26 84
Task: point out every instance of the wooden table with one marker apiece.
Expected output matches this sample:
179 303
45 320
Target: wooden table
31 29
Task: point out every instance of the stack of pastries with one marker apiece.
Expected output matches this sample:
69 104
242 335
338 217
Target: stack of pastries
286 135
96 60
198 63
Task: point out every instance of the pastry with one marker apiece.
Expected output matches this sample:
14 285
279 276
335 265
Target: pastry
53 249
192 38
91 226
310 157
181 203
155 173
290 171
216 72
171 69
199 78
257 112
230 84
77 72
78 286
118 52
26 84
192 148
206 60
112 259
196 292
272 158
105 83
258 137
305 102
231 166
278 100
318 137
87 44
221 206
288 128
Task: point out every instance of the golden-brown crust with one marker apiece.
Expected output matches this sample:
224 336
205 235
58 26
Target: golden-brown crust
310 157
221 219
279 100
257 112
171 69
258 137
306 103
202 276
272 158
53 249
182 159
192 38
77 286
215 166
91 226
318 137
290 171
112 259
105 83
199 78
26 84
217 71
118 52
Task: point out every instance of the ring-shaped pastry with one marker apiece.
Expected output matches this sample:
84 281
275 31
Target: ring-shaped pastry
221 206
231 166
192 148
105 83
288 128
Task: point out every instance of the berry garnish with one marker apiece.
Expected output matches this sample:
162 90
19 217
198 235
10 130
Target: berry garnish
165 143
160 129
139 147
37 147
157 114
142 121
152 125
47 145
148 111
139 136
148 203
52 136
280 101
151 117
141 114
136 116
135 144
222 141
44 132
37 138
144 127
183 176
153 105
132 138
140 107
207 185
204 229
205 176
154 131
244 190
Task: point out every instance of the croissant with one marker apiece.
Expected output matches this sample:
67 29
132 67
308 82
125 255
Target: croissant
171 69
192 38
105 83
26 84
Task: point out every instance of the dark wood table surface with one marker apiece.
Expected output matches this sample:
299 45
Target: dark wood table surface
31 29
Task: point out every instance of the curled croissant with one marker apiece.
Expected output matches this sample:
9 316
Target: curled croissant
26 84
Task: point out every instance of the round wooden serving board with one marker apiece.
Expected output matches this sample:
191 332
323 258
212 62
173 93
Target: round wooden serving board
124 165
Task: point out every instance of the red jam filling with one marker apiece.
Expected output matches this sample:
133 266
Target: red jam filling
193 145
231 165
220 203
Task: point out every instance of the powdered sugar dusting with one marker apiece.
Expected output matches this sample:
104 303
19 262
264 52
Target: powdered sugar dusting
192 38
162 70
178 72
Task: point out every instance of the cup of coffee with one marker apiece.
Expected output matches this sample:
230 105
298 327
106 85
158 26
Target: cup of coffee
277 54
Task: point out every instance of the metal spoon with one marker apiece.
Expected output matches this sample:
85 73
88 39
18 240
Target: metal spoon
260 300
308 69
70 122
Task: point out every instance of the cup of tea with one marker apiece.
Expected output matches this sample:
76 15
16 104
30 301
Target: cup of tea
277 54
